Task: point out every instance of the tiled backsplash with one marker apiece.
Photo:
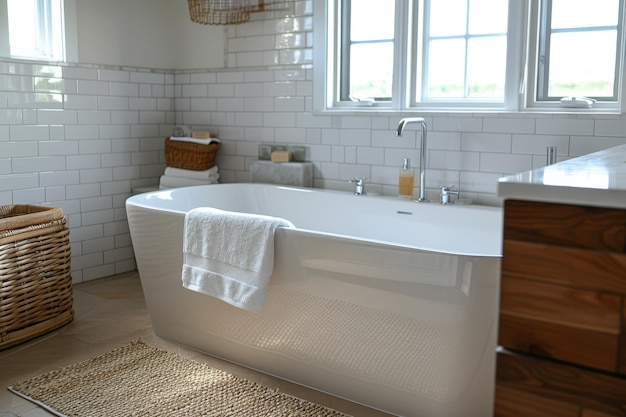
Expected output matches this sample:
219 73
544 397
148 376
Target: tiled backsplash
82 137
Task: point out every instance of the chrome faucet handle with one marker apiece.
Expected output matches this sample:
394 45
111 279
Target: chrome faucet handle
446 190
359 185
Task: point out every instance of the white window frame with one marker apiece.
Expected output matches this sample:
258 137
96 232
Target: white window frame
69 34
520 85
515 31
530 101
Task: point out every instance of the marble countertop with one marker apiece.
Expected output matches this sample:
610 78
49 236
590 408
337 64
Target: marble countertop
597 179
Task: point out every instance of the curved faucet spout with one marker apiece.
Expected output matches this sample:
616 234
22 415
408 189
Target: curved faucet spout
407 121
421 121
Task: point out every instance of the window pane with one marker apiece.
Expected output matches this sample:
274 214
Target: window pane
368 52
22 27
488 16
448 18
372 19
584 13
486 65
371 70
446 68
466 57
578 53
36 29
582 63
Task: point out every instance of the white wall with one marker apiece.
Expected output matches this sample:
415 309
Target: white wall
81 138
196 45
147 34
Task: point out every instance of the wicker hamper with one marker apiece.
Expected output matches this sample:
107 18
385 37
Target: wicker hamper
189 155
35 272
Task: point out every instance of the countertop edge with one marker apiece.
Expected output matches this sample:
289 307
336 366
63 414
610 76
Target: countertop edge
562 195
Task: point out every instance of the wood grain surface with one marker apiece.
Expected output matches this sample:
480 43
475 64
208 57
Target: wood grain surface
562 312
565 225
561 386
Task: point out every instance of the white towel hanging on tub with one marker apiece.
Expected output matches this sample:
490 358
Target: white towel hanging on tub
229 255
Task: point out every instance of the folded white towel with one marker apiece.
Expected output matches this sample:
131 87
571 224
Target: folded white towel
229 255
188 173
175 182
201 141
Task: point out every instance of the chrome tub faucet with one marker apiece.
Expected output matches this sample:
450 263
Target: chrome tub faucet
359 186
446 191
422 122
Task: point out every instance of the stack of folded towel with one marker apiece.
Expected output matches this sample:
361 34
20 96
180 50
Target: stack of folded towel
177 177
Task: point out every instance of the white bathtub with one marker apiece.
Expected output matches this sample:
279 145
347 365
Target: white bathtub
383 301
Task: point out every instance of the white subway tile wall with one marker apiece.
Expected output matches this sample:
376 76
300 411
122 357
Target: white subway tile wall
82 137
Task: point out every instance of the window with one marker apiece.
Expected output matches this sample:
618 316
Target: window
36 29
367 49
578 49
469 54
458 41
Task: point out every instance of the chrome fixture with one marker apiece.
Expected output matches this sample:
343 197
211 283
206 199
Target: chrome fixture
359 186
551 155
420 120
446 191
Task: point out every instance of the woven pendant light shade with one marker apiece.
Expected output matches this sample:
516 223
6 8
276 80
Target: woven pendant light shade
222 12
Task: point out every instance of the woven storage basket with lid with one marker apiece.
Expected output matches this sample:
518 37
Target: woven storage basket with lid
189 155
35 272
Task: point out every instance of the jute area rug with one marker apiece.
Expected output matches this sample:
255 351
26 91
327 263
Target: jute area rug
141 380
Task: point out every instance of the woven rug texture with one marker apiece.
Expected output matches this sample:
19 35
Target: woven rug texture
141 380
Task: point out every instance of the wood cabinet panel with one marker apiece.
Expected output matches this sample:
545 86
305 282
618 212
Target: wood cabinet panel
594 413
562 305
566 225
603 271
574 345
600 392
513 403
622 361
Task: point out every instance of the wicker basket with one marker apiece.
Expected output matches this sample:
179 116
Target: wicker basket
189 155
35 272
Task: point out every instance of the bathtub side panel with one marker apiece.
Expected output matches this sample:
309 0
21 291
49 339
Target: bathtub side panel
157 238
409 333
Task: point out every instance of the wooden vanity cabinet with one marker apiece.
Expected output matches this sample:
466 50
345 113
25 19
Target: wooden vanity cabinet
562 324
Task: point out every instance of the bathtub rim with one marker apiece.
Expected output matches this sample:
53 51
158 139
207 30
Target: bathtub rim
140 201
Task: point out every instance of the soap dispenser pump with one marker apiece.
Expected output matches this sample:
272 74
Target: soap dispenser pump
406 180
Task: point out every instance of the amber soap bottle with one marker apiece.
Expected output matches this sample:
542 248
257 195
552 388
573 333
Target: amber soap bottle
406 180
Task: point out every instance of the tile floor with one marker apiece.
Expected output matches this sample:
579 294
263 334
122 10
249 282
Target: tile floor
109 313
